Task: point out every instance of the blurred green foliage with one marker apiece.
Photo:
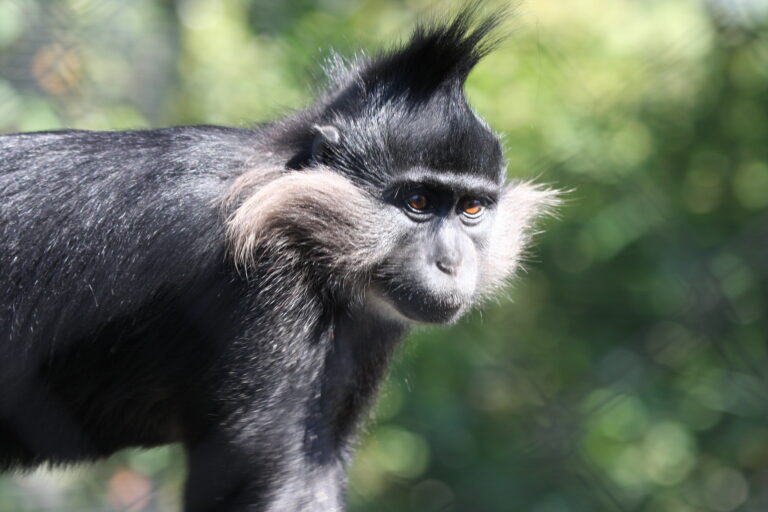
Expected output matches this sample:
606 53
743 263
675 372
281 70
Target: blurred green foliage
630 371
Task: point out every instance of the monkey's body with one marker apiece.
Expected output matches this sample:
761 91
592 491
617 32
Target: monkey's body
241 291
99 306
151 354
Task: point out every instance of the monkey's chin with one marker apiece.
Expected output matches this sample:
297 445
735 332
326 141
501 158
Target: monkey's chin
433 313
410 309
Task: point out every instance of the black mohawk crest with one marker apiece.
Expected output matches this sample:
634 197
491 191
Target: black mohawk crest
437 53
407 105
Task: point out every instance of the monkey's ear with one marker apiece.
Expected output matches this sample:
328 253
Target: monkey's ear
326 137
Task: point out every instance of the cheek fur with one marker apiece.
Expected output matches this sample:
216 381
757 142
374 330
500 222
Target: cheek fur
520 207
316 216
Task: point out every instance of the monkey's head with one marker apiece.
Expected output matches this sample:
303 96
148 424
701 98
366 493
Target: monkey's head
403 183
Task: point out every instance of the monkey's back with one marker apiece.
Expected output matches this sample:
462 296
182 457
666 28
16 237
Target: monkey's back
98 232
87 217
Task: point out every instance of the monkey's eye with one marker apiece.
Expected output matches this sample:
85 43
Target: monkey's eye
417 202
472 208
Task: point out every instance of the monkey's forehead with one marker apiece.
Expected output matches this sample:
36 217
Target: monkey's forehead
455 150
460 144
459 183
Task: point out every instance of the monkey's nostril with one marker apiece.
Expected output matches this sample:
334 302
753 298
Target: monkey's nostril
446 267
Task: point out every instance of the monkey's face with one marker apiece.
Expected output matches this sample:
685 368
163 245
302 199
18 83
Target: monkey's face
428 246
443 224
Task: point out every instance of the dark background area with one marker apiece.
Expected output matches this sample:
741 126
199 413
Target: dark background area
629 371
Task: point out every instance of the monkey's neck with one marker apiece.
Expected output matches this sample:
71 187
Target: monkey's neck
353 355
339 355
359 349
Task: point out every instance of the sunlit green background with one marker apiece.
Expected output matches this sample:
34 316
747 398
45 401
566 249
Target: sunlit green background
629 370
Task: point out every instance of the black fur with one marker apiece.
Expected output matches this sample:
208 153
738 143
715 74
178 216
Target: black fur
125 321
406 108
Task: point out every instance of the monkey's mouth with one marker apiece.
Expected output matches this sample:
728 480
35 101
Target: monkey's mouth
423 306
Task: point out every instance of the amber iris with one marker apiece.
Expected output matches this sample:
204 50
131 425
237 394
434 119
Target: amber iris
417 201
471 207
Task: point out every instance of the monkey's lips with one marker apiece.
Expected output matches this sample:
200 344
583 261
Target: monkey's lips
423 306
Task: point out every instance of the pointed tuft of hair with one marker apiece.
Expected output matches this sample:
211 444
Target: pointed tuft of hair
437 54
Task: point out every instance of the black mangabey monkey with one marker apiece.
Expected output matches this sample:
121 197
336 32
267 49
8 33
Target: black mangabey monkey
241 290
